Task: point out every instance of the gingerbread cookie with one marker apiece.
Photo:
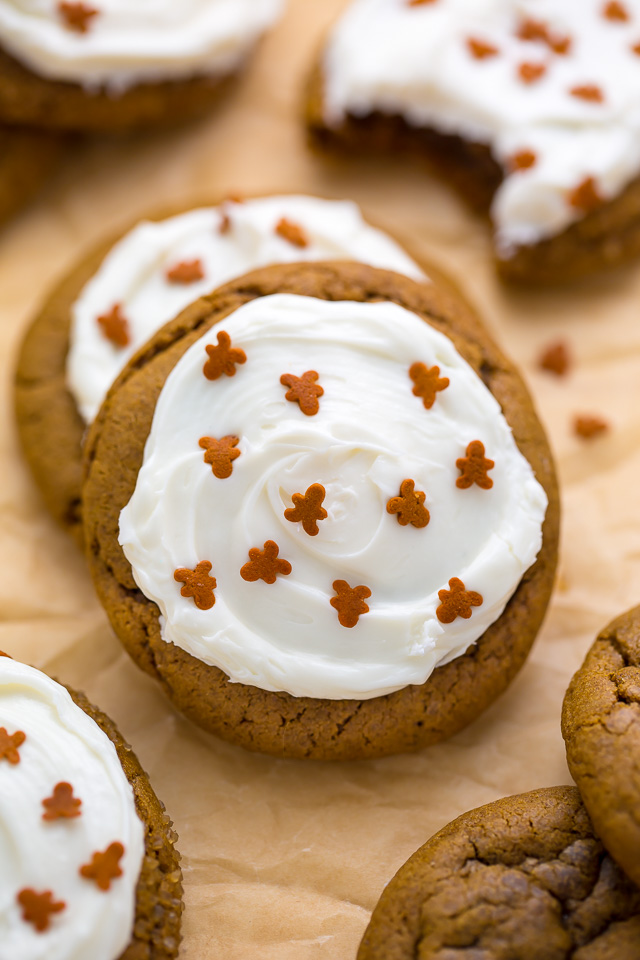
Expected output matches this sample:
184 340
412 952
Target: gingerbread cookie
601 728
331 512
528 108
523 877
91 869
109 305
111 65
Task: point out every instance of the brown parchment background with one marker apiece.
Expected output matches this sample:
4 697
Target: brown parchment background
285 860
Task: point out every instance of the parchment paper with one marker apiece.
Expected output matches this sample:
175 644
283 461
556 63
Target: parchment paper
285 860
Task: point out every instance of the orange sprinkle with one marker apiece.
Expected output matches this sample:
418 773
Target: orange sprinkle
308 509
481 50
10 744
428 383
223 358
104 867
115 326
589 92
38 908
265 564
474 468
522 160
292 232
77 16
616 11
220 454
585 197
587 426
349 602
556 359
531 72
409 506
197 584
303 390
62 805
188 271
457 602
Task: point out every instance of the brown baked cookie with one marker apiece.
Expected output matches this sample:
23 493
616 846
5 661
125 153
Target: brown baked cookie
601 728
279 723
55 808
50 425
510 85
524 877
27 157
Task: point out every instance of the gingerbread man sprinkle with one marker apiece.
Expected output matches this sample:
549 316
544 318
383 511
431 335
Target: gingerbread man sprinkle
265 564
522 160
185 272
531 72
292 232
9 745
220 454
115 326
223 358
409 506
481 50
457 601
587 426
586 197
62 805
428 383
616 11
349 602
77 16
308 509
38 908
589 92
303 390
198 584
556 359
104 867
473 468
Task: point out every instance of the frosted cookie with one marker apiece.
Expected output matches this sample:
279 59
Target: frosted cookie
601 728
529 107
523 877
111 65
109 306
87 862
319 507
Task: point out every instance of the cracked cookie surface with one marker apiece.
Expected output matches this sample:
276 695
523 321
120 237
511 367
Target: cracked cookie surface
279 723
601 728
523 878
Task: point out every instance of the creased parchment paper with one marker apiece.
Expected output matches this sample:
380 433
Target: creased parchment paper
285 860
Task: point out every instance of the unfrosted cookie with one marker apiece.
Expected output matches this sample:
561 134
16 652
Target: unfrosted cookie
529 108
88 866
523 878
111 65
111 303
601 728
329 510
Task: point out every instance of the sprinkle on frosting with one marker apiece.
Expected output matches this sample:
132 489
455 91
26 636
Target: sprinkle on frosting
292 232
223 358
480 49
115 326
37 908
188 271
456 602
198 584
589 92
104 867
62 805
9 745
636 49
616 11
586 197
265 564
303 390
220 454
428 382
473 468
556 358
536 30
308 509
77 16
531 72
409 506
419 3
522 160
588 426
349 602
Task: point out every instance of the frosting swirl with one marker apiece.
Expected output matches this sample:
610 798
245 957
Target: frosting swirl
552 86
62 745
133 274
129 43
371 432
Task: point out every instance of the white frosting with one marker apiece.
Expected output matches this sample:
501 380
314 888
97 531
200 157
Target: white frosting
62 744
134 272
414 61
369 435
129 43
